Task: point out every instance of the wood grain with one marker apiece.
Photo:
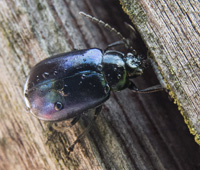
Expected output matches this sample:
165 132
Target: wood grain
134 131
171 32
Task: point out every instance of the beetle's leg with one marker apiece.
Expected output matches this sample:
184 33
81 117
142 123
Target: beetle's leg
88 128
151 89
121 42
72 123
117 43
63 128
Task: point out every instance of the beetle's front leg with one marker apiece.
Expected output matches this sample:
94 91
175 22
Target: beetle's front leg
151 89
88 128
117 43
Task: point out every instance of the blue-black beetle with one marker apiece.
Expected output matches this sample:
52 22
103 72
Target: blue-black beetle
64 86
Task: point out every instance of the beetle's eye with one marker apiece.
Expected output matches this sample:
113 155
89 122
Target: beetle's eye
58 106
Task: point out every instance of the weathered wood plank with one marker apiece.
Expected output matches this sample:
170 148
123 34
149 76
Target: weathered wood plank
171 32
133 132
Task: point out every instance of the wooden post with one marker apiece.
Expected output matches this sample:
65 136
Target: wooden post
134 131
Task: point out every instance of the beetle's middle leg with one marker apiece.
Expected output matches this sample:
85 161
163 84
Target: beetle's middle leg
151 89
64 128
88 128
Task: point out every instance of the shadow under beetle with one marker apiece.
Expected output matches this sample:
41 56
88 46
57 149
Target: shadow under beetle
66 85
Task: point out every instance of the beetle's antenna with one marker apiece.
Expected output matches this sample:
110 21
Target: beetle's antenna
108 27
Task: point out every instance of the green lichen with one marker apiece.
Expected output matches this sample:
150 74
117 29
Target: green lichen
3 142
135 9
40 7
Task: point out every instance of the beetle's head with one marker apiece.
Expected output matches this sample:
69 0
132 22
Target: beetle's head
133 65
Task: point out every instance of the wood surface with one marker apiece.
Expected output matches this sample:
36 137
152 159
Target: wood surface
134 131
171 32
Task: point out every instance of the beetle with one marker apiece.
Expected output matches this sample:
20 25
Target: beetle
64 86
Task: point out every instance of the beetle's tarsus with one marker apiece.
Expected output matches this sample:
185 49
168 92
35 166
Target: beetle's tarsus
70 149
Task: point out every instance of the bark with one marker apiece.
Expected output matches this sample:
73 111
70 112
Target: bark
134 131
